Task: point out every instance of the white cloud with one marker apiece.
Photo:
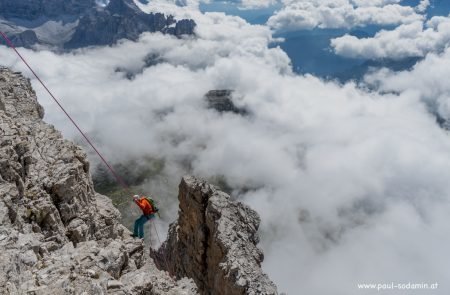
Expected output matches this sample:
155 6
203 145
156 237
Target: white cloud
423 6
352 185
252 4
309 14
169 6
409 40
102 3
242 4
426 80
376 3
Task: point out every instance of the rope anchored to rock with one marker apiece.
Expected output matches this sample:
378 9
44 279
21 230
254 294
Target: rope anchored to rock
83 134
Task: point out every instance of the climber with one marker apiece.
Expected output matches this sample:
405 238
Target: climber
149 210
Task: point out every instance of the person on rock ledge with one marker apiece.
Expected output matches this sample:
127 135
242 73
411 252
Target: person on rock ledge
149 210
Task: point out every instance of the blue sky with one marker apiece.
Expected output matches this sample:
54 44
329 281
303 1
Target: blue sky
309 49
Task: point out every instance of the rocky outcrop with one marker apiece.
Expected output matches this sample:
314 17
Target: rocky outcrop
57 236
75 24
222 101
32 10
214 242
122 19
26 38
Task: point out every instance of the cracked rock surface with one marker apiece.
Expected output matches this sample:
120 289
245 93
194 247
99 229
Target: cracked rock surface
57 235
214 242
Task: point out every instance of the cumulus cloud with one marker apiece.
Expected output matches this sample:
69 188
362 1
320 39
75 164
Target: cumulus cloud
352 185
410 40
167 5
102 3
424 80
310 14
252 4
242 4
423 6
376 3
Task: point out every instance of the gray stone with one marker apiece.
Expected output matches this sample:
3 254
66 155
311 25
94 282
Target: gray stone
57 236
214 243
26 38
113 284
75 24
32 10
222 101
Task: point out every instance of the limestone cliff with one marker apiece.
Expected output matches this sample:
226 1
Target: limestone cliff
58 236
214 242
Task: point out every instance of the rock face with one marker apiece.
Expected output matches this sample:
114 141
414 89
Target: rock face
26 38
222 101
214 242
57 236
31 10
75 24
122 19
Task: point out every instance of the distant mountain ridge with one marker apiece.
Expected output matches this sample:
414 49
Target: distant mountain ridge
74 24
31 10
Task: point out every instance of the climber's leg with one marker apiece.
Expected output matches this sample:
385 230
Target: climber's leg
142 220
136 226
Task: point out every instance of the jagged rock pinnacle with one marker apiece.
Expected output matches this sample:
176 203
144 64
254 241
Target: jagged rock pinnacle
214 242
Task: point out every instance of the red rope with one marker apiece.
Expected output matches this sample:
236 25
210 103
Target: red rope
114 173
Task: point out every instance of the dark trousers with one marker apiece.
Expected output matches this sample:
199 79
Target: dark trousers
139 225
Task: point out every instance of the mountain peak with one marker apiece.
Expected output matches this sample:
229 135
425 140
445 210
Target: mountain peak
77 24
31 10
123 7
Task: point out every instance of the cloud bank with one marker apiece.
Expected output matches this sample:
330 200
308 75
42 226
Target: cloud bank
352 185
325 14
410 40
254 4
425 80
